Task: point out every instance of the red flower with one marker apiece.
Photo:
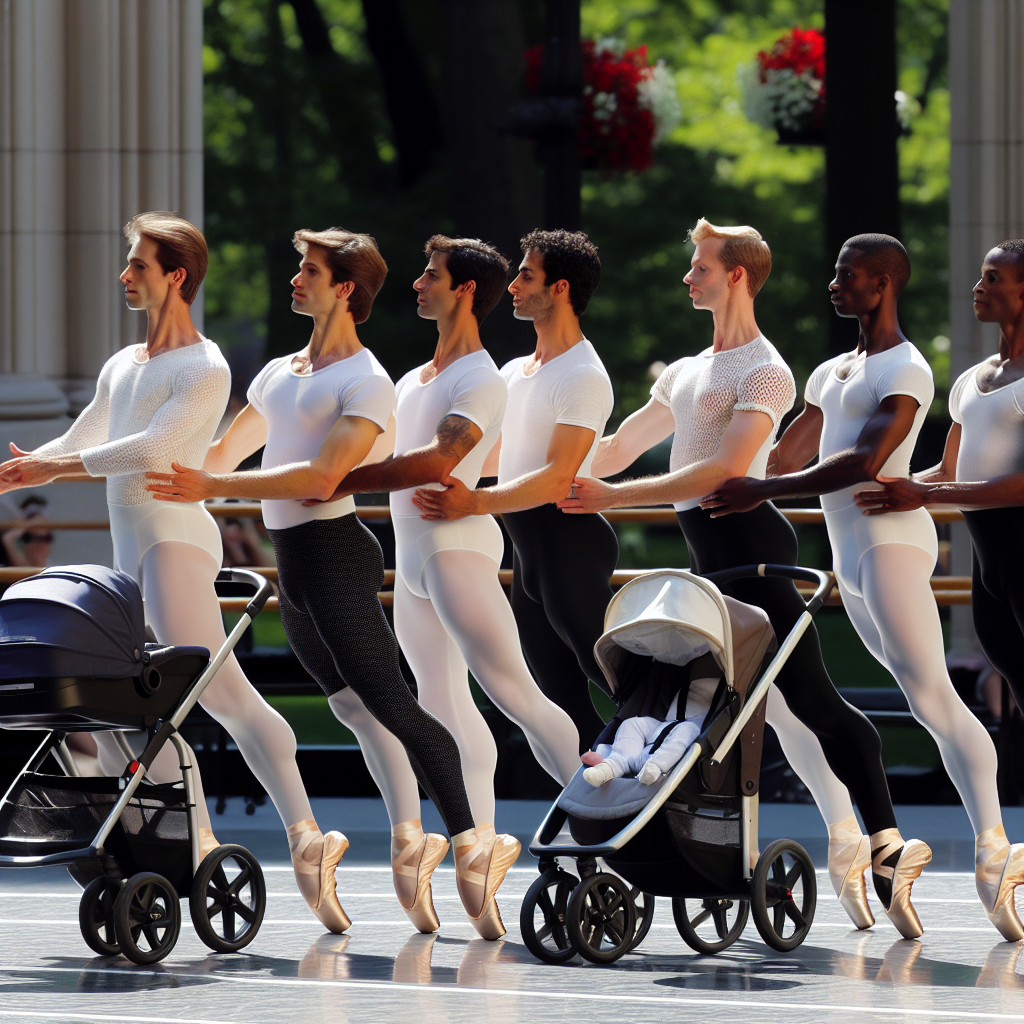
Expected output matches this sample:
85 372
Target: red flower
801 50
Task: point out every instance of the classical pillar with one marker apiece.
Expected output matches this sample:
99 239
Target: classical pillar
986 188
100 118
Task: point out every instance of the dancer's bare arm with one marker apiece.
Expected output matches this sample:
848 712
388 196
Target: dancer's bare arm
799 444
741 441
346 446
567 449
490 466
456 437
637 433
247 434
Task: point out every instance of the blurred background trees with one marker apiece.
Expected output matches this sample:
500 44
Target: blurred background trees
388 116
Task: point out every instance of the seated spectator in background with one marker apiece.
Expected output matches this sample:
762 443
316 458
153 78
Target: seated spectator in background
31 541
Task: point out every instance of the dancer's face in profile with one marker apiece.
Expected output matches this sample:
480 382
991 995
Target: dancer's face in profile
708 278
532 297
145 283
435 297
999 295
854 290
313 292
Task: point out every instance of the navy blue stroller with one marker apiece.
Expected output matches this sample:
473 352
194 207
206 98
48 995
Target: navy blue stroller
74 658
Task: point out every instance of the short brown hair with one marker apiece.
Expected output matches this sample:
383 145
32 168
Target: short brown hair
179 243
351 257
470 259
744 247
567 256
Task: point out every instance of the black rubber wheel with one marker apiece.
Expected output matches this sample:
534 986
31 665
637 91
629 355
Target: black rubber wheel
644 905
543 916
710 925
147 918
228 898
96 917
602 918
783 895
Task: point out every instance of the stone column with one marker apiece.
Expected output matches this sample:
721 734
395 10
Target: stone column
100 118
986 195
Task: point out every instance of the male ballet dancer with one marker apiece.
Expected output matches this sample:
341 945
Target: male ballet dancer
450 610
863 414
157 405
724 406
559 399
319 412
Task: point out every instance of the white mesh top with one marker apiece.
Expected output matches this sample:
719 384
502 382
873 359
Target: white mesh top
147 415
703 391
992 427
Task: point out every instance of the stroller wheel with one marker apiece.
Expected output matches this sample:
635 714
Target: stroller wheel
228 898
602 918
147 918
542 917
783 895
96 917
710 925
644 904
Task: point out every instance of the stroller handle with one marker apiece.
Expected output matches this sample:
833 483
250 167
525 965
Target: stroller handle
824 581
264 588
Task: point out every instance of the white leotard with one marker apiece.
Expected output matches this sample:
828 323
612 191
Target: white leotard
470 387
992 438
573 388
302 408
704 391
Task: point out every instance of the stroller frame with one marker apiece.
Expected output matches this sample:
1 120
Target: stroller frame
84 861
547 847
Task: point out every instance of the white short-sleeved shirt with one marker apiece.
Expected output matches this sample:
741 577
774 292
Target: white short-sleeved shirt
703 392
573 388
302 408
848 403
470 387
992 435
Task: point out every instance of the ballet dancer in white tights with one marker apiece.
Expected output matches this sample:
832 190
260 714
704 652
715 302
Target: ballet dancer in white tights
321 412
450 610
863 414
157 404
724 406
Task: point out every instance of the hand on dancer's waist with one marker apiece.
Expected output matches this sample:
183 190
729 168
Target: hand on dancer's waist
740 494
184 484
456 501
586 496
894 495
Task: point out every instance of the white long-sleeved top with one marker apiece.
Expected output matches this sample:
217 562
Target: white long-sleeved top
147 415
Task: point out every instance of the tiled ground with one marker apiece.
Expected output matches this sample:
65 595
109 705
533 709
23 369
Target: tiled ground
381 971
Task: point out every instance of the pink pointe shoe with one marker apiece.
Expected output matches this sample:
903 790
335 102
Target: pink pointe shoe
482 860
314 871
414 855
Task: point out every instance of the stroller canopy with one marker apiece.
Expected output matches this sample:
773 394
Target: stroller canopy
74 620
674 616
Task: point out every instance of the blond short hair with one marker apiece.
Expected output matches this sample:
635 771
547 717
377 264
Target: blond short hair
744 247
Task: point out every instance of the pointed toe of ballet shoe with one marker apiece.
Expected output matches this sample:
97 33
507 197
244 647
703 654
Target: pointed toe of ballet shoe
421 913
857 909
913 858
853 896
328 909
489 924
1004 913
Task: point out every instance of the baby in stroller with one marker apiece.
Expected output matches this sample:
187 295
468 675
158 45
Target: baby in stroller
649 744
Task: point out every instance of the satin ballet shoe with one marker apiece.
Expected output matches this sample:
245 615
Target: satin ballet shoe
849 856
207 842
414 855
999 869
482 860
895 866
325 903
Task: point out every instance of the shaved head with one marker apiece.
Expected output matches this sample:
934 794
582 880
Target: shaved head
882 254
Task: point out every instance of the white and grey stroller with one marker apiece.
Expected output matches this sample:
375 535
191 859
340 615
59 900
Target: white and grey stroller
73 658
692 835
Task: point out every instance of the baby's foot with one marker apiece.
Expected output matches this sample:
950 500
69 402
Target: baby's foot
599 774
591 758
650 774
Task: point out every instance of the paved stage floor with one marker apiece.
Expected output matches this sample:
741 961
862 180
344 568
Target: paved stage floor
294 973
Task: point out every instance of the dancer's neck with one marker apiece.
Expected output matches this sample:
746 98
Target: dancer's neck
169 326
557 332
734 324
457 335
880 329
334 338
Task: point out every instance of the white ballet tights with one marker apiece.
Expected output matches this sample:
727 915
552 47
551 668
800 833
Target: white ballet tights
468 622
897 618
182 609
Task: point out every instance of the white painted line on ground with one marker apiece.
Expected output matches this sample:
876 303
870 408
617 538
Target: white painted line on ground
592 997
133 1019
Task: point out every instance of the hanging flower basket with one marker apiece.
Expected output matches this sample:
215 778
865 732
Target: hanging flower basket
628 105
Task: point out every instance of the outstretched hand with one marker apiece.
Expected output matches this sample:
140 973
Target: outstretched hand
184 484
587 495
740 494
456 501
26 470
895 495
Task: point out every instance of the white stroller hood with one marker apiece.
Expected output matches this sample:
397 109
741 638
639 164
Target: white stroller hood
674 616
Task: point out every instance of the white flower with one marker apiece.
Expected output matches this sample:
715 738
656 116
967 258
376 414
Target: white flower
605 105
658 94
783 98
907 108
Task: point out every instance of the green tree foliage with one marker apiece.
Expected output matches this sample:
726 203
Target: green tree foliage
315 116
